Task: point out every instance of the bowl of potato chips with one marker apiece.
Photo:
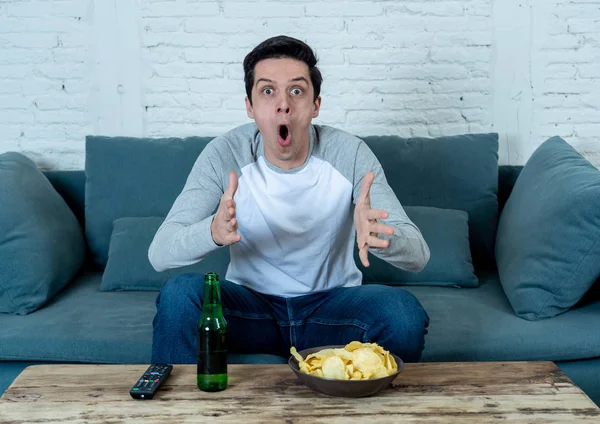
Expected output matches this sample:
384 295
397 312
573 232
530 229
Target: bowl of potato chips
354 370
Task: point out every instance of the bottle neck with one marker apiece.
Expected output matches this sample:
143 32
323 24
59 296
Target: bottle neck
212 298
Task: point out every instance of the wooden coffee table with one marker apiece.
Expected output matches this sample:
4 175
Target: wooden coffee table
429 392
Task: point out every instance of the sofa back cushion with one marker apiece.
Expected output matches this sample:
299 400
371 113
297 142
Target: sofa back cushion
454 172
71 186
129 177
136 177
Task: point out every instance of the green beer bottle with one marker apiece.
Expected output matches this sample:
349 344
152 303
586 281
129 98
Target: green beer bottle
212 338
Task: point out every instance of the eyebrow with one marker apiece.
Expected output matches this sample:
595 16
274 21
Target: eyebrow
264 80
292 80
299 79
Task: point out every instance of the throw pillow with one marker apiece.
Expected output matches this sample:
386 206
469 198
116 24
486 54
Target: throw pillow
446 232
41 242
548 241
128 267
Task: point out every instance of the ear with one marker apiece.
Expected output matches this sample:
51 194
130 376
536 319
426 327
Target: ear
316 107
249 109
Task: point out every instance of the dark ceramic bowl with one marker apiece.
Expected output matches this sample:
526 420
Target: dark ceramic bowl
342 388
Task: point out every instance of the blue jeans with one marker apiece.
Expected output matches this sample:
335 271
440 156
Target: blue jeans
260 323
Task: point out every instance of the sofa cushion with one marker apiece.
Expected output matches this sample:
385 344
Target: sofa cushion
41 242
479 325
128 267
454 172
548 242
84 324
446 232
128 176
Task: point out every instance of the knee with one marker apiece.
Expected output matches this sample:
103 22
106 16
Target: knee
407 307
180 291
395 305
403 322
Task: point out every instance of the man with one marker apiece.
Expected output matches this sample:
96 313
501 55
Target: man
291 197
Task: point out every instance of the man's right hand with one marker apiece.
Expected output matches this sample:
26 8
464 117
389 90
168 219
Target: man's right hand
224 225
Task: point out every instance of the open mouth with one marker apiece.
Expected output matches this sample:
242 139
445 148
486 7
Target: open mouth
284 138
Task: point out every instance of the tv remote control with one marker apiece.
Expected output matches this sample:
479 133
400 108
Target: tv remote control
150 381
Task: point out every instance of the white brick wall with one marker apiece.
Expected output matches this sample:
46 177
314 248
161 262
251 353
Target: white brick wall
526 69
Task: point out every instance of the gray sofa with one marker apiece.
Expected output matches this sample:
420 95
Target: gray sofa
83 323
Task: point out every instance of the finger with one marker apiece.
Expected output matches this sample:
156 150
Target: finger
232 225
377 242
376 214
379 228
363 254
361 238
233 185
234 238
365 186
231 205
228 213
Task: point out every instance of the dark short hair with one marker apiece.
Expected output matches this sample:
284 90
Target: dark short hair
277 48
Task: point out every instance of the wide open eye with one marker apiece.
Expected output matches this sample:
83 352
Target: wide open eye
268 91
296 91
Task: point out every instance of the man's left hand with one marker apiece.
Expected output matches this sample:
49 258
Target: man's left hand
365 221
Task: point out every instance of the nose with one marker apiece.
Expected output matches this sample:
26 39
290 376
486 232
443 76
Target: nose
283 105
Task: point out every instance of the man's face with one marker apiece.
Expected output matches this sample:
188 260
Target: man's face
283 108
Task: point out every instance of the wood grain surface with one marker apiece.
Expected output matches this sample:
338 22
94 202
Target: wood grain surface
478 392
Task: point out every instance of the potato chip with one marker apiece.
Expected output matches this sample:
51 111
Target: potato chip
322 354
353 346
296 355
350 370
317 373
333 367
355 361
366 360
345 355
380 372
394 365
